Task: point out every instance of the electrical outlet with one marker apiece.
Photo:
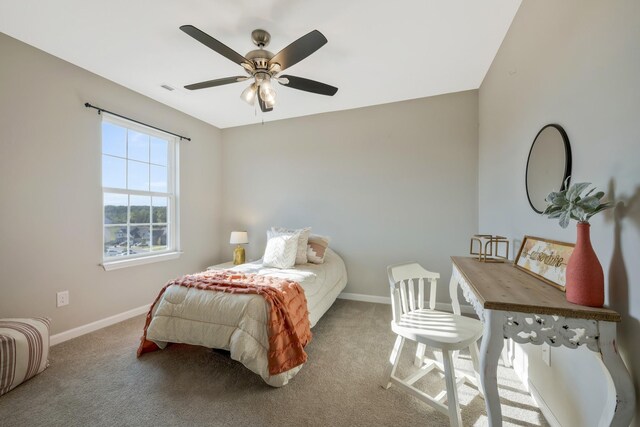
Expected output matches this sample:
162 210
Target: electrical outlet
546 354
62 298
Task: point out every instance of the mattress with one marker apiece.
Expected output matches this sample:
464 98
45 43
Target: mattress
238 322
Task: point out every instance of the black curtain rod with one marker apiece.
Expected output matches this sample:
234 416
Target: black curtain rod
100 110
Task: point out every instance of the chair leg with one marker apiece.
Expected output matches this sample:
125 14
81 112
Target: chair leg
393 362
420 355
455 419
475 359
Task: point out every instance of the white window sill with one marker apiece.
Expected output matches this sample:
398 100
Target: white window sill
114 265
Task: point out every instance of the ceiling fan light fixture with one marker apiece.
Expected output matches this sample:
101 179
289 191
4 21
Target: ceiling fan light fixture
249 94
271 101
267 93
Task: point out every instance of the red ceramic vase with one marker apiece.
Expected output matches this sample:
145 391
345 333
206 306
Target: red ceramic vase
585 279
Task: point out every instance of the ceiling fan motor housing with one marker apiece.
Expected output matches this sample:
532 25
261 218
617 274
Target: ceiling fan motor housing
260 58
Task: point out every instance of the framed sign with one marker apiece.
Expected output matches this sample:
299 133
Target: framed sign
545 259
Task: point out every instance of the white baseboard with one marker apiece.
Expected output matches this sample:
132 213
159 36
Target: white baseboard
98 324
365 298
464 308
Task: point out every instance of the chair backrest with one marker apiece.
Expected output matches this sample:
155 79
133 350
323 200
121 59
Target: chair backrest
403 279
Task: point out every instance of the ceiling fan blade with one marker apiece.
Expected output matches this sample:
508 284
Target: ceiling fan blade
299 49
216 82
263 105
214 44
307 85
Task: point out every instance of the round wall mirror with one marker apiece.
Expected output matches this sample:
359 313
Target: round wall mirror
548 166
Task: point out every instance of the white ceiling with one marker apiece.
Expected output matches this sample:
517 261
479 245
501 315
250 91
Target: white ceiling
379 51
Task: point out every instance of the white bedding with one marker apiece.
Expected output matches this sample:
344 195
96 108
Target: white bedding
238 322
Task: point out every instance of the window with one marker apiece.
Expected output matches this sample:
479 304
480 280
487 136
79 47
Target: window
139 193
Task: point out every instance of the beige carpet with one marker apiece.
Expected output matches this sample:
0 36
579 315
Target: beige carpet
96 380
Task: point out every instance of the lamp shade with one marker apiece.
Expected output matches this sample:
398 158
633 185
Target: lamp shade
239 238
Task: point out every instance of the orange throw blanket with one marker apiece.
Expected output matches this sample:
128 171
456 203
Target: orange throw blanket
288 324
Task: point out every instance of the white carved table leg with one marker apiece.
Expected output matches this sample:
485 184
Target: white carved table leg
453 290
457 280
490 350
455 304
620 404
475 360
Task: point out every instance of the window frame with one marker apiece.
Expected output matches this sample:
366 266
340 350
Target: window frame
172 195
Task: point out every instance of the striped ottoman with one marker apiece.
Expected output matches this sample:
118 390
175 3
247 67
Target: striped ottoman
24 349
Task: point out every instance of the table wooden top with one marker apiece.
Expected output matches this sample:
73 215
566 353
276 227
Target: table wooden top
501 286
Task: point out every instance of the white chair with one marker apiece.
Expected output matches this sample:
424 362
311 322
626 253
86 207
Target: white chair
439 330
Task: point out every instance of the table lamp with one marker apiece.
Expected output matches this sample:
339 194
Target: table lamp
238 238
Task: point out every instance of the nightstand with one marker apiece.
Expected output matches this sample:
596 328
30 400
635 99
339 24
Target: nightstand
224 266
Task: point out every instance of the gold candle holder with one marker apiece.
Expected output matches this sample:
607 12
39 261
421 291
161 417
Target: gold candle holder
488 248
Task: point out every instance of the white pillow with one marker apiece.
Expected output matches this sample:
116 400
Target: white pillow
303 240
281 251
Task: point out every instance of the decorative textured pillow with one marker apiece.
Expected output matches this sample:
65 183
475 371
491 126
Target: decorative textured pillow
317 248
303 240
24 350
281 251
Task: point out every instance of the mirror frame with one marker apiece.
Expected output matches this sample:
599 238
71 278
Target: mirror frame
567 163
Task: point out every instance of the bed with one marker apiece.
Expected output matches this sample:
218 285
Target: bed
237 322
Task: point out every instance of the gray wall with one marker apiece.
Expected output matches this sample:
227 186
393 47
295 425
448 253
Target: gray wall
576 63
388 184
50 191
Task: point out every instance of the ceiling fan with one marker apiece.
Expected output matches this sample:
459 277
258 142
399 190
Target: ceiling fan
263 66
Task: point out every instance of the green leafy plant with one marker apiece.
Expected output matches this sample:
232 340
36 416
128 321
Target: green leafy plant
570 204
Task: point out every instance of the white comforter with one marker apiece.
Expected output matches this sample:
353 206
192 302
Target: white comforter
238 322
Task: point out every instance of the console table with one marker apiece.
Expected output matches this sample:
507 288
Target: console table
513 304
